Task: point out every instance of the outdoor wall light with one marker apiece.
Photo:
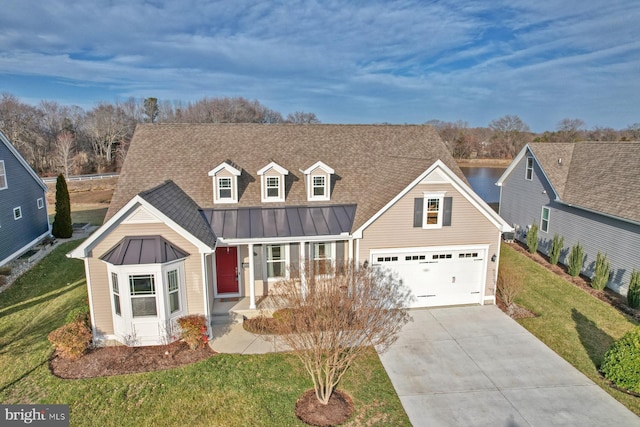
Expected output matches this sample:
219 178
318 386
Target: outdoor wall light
493 258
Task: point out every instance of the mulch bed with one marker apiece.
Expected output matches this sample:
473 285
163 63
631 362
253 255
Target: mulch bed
119 360
607 295
335 412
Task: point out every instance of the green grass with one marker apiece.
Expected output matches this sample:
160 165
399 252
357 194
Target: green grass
577 326
224 390
91 216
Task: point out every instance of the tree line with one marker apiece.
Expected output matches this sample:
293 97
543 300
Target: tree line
57 138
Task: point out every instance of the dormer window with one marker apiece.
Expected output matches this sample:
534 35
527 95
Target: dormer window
318 181
225 183
272 179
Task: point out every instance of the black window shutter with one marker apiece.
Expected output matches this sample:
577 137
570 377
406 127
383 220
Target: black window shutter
418 205
446 217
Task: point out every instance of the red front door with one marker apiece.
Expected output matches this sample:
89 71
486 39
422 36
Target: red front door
227 270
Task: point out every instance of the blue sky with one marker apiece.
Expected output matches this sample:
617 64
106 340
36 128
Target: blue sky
348 62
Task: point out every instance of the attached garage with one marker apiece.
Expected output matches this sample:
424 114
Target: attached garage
438 276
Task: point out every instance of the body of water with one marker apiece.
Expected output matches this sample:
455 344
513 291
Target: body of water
483 181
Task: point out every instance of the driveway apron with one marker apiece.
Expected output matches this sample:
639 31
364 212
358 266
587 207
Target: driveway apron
475 366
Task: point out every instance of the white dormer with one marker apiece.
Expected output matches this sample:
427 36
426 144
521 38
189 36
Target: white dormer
272 182
318 181
225 183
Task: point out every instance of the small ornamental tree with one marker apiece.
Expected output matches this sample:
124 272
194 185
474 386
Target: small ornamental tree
601 274
532 238
510 283
575 261
62 225
332 319
633 295
556 249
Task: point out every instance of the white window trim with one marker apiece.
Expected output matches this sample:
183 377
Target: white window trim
19 210
40 202
4 174
280 174
312 249
309 175
425 206
124 324
233 189
265 262
542 218
528 169
326 186
235 173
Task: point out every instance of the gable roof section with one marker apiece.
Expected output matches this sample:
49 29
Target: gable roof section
22 161
169 199
143 250
172 206
372 163
460 185
602 177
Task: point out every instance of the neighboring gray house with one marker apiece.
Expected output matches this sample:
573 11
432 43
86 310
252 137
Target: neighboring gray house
23 208
587 192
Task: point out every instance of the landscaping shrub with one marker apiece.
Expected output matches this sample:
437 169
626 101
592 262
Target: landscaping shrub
575 261
621 364
71 340
556 248
509 285
601 274
260 325
5 271
633 295
532 238
194 330
79 313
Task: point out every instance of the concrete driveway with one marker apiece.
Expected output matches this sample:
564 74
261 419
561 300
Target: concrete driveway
475 366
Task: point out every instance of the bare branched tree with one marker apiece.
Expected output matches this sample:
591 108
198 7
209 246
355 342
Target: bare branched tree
510 133
300 117
65 152
569 130
330 319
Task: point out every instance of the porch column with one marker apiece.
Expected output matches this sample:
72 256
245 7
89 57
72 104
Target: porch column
303 265
252 279
350 250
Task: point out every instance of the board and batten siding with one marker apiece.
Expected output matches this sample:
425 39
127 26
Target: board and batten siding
521 203
22 191
394 229
101 293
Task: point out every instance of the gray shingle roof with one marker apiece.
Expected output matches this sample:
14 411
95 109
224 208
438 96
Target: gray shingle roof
599 176
372 163
169 199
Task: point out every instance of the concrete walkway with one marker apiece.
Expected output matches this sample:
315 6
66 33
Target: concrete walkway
232 338
475 366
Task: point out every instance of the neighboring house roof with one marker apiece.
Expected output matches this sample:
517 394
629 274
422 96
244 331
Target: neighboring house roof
372 163
603 177
169 199
143 250
288 221
21 159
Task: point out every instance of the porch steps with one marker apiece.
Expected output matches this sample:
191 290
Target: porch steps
225 318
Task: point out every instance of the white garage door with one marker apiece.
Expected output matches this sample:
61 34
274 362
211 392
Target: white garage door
437 277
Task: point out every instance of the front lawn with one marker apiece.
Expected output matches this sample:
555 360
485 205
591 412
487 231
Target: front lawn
229 390
574 324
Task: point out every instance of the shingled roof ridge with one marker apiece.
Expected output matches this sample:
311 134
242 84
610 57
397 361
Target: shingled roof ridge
182 209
